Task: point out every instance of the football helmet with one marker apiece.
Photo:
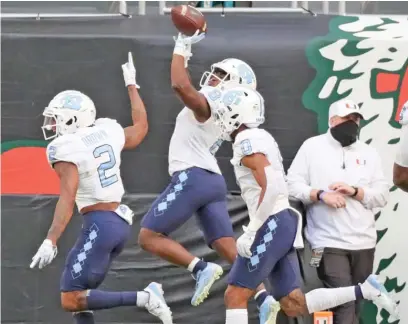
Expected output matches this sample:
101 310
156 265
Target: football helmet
239 106
67 112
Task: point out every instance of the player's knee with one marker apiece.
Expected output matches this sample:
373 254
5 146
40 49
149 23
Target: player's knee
146 239
226 247
73 301
237 297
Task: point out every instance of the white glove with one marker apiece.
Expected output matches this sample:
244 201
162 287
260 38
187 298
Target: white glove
129 72
183 45
245 241
45 254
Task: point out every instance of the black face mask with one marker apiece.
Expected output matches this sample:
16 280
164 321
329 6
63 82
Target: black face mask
345 133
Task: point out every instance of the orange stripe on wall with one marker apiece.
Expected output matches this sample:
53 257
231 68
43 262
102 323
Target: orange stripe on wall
25 170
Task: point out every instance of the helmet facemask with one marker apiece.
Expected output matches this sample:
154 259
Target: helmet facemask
215 74
226 122
57 122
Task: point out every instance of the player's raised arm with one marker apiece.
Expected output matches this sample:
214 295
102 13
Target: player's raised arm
134 134
69 180
180 79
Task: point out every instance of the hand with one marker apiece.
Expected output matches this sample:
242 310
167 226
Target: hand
333 199
343 188
245 241
45 254
189 40
129 72
183 44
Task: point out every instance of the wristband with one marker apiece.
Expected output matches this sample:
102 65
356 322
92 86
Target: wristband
319 193
355 193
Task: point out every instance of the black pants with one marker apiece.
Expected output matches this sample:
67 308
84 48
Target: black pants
342 268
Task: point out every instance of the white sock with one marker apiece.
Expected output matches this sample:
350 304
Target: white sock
236 316
84 311
325 298
193 264
258 293
142 298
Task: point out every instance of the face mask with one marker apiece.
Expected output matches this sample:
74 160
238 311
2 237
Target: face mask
345 133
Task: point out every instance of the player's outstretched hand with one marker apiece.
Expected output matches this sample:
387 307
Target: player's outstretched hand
189 40
183 44
45 254
245 242
129 72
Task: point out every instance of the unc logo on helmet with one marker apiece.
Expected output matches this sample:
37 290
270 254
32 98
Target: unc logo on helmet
232 97
246 74
72 101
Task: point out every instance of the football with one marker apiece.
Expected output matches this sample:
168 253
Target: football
188 20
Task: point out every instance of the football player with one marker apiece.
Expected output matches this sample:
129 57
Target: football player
197 185
85 154
267 246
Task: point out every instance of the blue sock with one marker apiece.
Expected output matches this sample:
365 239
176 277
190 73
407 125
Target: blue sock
83 318
99 299
261 298
358 292
199 266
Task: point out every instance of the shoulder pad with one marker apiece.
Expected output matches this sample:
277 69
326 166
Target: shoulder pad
62 148
249 142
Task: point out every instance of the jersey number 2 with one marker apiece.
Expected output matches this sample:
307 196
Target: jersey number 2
103 167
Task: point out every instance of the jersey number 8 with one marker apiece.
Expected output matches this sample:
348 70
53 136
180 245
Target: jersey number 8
103 167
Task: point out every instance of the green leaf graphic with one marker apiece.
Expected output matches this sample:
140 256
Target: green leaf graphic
385 263
380 234
394 141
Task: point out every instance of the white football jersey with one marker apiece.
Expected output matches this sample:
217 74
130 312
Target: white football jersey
194 144
402 153
96 152
248 142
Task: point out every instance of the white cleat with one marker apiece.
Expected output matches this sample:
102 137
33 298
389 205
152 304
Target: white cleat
156 305
204 280
268 312
374 290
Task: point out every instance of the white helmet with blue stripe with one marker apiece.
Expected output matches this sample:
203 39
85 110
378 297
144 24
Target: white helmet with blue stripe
235 73
67 112
239 106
